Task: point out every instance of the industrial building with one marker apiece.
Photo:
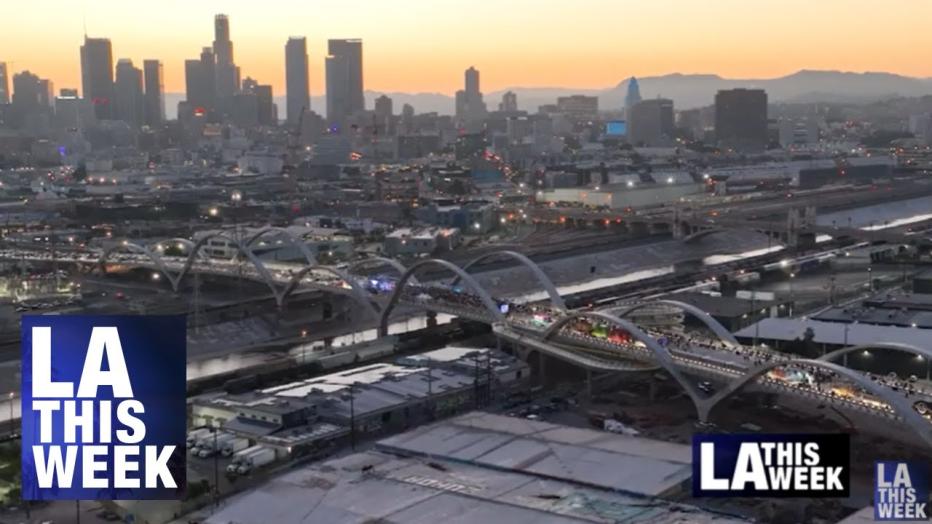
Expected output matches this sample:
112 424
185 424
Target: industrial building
374 399
482 468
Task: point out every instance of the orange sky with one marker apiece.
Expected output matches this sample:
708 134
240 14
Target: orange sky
421 46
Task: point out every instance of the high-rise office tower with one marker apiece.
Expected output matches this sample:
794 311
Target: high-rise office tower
384 116
469 104
650 122
130 106
255 104
200 82
31 102
4 84
226 74
296 81
741 119
155 92
344 80
633 96
97 75
72 113
509 103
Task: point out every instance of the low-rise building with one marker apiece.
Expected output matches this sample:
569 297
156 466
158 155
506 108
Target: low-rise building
408 241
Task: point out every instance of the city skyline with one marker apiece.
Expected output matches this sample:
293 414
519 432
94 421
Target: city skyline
697 39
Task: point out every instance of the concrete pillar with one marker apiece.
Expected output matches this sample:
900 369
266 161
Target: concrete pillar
542 369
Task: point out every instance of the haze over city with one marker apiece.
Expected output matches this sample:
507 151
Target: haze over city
465 262
413 46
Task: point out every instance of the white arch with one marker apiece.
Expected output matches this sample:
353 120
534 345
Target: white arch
483 295
292 240
721 331
556 300
391 262
358 292
156 259
891 346
187 244
263 272
661 354
895 400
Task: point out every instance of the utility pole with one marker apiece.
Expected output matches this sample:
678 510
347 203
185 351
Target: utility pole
352 415
430 389
476 379
216 469
488 376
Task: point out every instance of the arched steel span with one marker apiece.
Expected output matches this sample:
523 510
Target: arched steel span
263 271
293 240
897 401
358 292
187 244
555 299
664 358
484 296
720 331
156 259
394 264
890 346
699 235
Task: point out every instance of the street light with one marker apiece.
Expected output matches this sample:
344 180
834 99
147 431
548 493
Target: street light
12 425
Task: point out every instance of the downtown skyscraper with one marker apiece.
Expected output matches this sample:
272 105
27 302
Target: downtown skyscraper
155 92
470 107
296 79
129 103
4 84
227 75
344 80
97 76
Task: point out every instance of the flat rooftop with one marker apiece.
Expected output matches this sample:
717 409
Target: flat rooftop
598 459
377 486
787 329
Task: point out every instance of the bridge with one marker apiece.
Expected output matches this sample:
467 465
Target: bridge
594 340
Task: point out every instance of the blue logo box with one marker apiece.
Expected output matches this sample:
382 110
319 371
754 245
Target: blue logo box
901 491
103 403
771 465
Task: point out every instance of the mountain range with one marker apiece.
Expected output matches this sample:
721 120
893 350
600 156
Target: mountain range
686 90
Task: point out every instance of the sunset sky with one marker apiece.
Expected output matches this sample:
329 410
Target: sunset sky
424 46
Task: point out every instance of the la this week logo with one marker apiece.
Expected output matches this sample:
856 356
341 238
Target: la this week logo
103 407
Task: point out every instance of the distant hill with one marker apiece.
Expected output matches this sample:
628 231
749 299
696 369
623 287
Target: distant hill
687 91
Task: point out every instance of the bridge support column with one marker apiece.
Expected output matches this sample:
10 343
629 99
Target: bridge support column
542 370
431 319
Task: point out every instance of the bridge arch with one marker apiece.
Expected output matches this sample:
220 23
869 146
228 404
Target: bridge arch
263 271
661 354
555 299
391 262
293 240
901 406
156 259
483 295
358 292
714 325
890 346
183 242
